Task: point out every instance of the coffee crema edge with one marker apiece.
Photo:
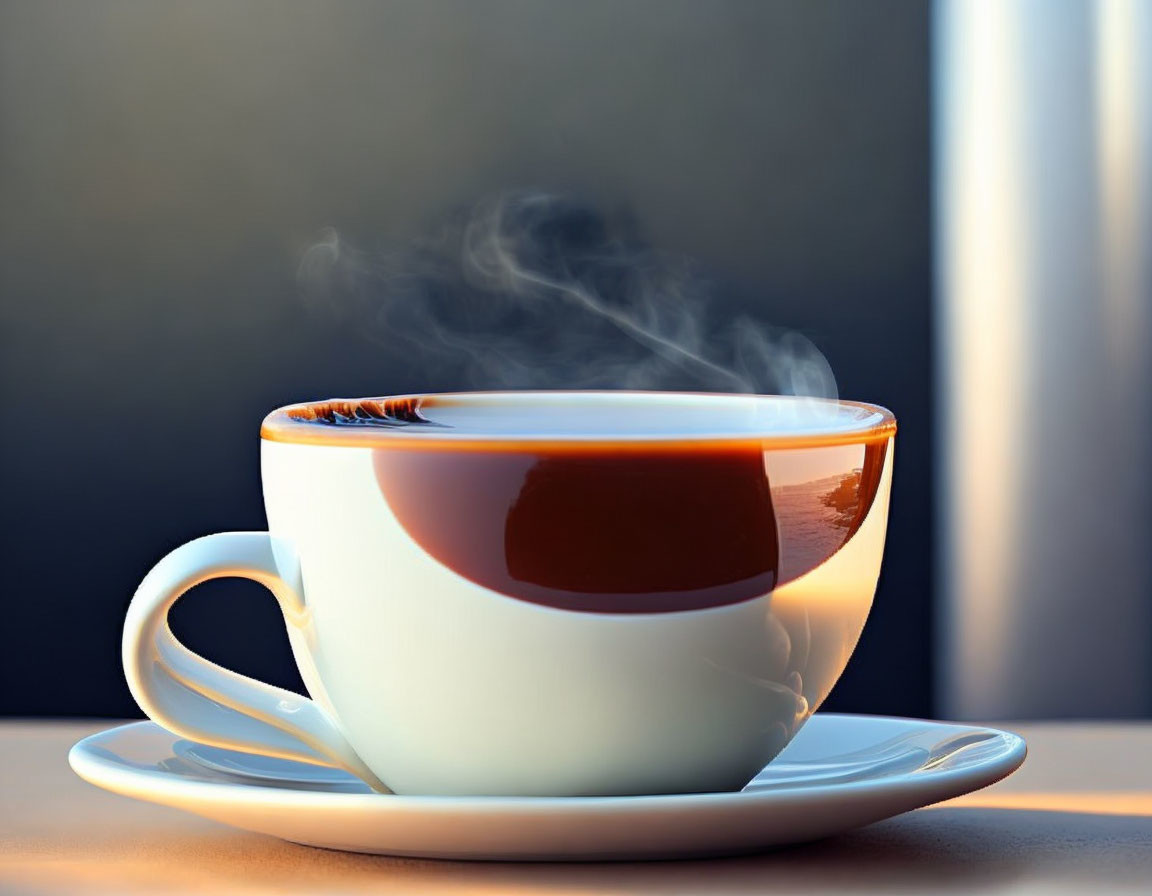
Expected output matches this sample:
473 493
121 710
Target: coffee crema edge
396 422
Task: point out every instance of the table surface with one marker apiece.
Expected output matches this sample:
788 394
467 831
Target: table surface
1076 818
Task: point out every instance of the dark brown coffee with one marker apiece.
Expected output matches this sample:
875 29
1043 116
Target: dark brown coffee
632 532
614 505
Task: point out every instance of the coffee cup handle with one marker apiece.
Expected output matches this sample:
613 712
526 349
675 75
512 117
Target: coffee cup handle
197 699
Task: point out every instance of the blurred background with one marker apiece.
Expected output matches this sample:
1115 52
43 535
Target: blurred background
165 167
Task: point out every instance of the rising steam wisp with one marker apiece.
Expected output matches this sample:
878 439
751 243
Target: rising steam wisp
535 290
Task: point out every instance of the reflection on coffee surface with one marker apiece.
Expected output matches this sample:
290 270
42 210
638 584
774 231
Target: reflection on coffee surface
632 532
383 412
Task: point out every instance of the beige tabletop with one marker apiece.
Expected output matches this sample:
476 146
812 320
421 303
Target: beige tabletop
1076 818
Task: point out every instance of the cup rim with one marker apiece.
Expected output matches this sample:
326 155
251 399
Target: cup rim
400 417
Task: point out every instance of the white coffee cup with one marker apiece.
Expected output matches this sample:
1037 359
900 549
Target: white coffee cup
426 681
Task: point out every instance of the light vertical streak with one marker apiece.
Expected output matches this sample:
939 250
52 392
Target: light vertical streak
982 342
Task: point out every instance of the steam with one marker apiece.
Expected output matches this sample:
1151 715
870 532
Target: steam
533 290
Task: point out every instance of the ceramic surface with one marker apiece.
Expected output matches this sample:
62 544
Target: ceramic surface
838 773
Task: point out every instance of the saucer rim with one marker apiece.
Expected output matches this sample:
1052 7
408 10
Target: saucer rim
144 783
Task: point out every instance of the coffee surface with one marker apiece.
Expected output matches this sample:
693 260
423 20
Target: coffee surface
578 416
644 530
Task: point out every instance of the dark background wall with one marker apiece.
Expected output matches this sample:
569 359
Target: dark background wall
163 165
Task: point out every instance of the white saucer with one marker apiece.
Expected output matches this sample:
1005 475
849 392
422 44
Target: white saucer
839 772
